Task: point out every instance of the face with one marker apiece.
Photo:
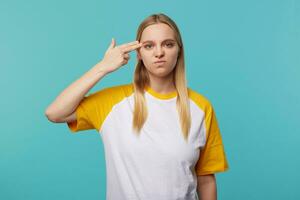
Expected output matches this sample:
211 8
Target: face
159 45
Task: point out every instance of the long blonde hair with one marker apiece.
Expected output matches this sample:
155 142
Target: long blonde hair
141 80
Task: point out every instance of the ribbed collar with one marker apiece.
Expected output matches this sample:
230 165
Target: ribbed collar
169 95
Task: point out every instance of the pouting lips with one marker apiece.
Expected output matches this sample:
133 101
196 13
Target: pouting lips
160 61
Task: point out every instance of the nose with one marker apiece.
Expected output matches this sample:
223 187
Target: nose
158 52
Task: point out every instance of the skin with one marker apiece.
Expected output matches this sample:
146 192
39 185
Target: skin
157 47
207 187
62 109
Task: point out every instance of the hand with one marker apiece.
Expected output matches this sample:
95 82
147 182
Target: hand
117 56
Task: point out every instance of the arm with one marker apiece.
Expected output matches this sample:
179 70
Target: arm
65 104
207 187
62 109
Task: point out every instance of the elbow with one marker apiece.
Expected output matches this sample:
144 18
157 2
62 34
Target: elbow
50 116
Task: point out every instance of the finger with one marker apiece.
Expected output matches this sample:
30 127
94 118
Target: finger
112 44
129 44
126 56
133 47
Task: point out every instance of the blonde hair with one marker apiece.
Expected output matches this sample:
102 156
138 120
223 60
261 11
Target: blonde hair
141 80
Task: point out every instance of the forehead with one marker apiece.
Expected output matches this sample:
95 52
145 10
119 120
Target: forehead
157 32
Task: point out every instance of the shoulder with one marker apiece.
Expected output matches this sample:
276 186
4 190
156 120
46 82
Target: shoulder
200 100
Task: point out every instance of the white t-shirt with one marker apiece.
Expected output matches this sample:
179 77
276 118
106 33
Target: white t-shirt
158 164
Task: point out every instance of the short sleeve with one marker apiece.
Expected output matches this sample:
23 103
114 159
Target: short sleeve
212 157
87 114
94 108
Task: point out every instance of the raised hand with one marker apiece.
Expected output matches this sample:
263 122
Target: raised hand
117 56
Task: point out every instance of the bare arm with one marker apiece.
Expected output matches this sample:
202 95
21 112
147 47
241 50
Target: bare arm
63 107
68 100
207 187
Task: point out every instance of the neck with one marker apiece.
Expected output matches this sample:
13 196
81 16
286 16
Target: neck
162 85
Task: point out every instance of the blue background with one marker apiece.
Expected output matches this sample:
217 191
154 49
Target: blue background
242 55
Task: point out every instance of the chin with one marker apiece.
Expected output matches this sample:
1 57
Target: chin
161 72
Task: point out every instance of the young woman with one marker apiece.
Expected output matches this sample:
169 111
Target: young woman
161 138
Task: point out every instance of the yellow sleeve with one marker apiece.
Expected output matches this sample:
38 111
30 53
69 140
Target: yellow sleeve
212 157
87 114
94 108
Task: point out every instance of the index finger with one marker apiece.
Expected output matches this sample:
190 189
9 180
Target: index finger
133 47
128 44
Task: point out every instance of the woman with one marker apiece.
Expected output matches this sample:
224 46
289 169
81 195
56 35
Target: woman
161 138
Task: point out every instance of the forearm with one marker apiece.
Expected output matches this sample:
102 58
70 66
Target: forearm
67 101
207 187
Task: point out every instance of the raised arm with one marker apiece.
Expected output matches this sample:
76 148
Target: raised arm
68 100
63 107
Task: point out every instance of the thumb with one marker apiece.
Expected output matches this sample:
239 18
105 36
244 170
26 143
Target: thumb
112 44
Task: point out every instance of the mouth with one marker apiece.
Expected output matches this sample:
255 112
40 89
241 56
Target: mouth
161 61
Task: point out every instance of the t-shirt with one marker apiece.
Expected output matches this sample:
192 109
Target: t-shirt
158 163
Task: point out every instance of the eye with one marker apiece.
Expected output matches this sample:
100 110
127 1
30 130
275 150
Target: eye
147 45
170 45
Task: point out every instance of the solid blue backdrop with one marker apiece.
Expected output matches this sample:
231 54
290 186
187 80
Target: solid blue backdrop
242 55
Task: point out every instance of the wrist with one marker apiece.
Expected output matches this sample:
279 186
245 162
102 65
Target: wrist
99 68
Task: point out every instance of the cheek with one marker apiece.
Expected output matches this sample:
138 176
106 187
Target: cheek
173 55
144 51
174 52
145 55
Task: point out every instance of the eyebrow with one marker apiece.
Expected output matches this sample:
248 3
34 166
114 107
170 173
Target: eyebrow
163 41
